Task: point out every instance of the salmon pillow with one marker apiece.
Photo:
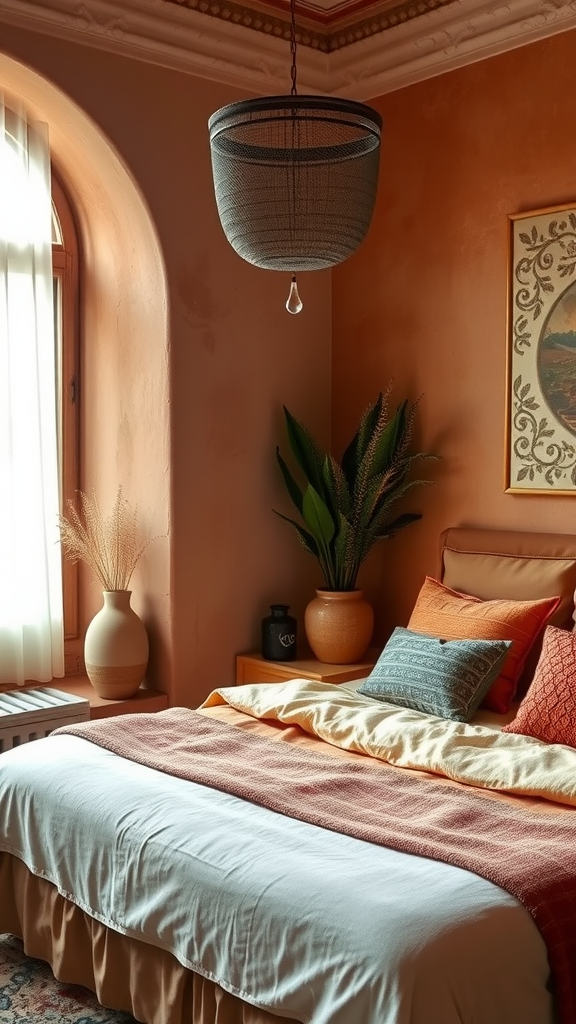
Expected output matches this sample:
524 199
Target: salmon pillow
450 615
548 710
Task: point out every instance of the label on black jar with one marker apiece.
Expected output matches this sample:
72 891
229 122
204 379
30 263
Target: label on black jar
279 639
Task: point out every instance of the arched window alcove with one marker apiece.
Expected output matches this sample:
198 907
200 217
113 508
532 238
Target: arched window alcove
124 427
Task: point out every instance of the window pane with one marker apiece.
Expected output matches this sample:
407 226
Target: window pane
66 368
58 375
56 228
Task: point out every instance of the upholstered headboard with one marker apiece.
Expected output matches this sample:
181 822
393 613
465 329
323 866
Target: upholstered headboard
511 564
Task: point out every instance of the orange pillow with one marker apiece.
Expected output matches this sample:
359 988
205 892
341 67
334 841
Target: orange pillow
450 615
548 710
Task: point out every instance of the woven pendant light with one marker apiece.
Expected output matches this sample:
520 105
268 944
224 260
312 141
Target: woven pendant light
295 178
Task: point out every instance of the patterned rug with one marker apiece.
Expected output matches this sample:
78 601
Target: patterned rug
30 994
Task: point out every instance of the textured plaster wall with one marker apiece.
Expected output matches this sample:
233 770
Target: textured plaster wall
189 354
424 300
188 357
123 332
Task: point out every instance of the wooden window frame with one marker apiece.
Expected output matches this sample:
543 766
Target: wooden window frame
65 264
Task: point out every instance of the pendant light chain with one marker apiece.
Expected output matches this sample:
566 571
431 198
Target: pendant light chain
294 302
293 91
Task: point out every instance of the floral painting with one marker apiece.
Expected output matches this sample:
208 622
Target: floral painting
541 413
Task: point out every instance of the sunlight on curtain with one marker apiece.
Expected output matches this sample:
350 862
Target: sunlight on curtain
31 608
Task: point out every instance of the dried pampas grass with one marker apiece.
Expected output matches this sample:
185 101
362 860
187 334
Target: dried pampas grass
108 545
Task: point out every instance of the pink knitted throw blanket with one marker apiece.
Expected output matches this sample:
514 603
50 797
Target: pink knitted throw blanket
526 847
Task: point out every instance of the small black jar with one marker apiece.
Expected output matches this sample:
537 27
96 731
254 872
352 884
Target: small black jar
279 634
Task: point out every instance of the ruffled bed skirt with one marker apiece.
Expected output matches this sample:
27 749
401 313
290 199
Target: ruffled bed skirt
125 974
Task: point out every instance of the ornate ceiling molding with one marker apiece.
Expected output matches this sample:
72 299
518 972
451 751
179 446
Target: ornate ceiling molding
183 40
449 38
222 48
170 36
326 26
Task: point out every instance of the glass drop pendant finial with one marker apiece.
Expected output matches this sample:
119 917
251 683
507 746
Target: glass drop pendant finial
294 302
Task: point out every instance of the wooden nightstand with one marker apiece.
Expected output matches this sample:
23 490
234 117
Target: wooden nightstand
253 668
144 700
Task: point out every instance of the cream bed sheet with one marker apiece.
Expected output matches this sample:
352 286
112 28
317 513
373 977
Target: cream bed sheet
476 755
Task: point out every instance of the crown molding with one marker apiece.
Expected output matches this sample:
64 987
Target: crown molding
462 33
187 40
173 37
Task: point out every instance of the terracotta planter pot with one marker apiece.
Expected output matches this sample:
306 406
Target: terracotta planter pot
339 626
116 648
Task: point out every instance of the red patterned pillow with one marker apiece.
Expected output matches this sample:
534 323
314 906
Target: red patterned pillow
548 710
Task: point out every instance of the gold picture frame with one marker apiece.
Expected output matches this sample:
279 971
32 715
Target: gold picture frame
541 346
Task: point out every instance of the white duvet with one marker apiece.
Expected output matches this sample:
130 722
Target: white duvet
292 918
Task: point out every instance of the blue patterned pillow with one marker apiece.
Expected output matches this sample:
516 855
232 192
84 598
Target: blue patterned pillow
447 678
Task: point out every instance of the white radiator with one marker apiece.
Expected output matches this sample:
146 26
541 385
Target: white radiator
31 714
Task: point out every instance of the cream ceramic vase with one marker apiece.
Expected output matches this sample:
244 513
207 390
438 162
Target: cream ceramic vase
116 648
339 626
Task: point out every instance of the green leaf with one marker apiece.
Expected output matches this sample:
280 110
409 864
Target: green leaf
364 510
336 487
356 450
399 524
317 516
381 517
291 486
390 441
346 568
307 453
306 539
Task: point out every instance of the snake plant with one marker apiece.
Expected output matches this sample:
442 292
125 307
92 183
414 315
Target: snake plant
346 507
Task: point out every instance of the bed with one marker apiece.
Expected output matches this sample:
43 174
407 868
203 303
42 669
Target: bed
298 851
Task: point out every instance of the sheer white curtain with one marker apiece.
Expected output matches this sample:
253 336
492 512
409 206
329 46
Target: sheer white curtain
31 607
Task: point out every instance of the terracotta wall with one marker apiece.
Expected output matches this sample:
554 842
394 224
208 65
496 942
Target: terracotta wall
424 300
191 418
188 355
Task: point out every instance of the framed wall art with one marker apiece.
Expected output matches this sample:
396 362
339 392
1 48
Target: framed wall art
541 380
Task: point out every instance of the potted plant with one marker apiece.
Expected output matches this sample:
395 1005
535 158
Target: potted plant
345 509
116 642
